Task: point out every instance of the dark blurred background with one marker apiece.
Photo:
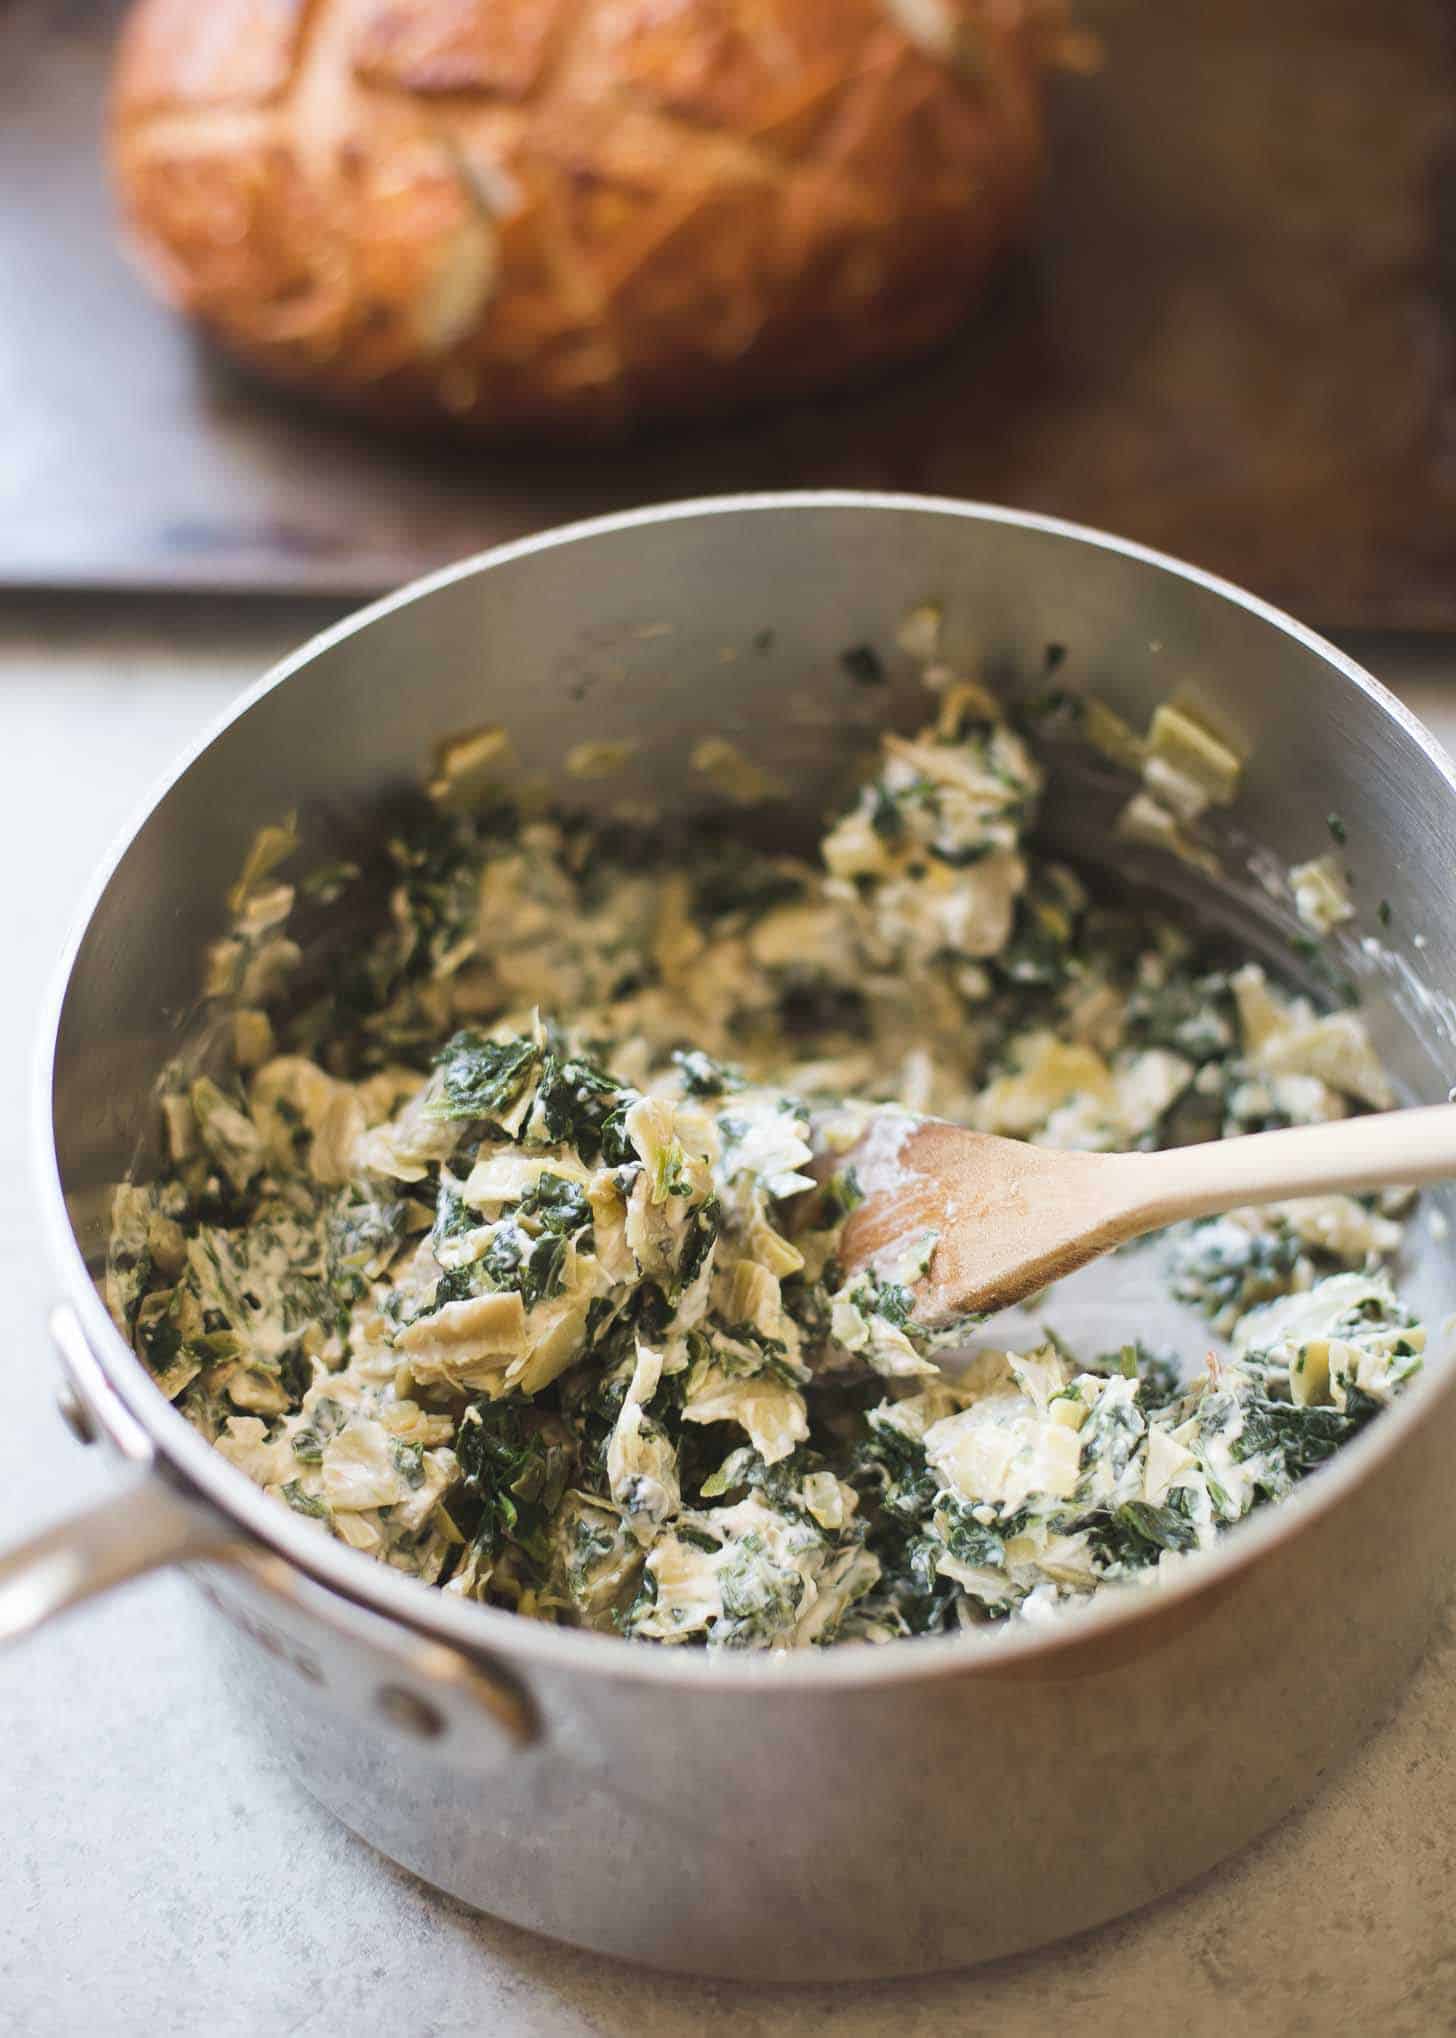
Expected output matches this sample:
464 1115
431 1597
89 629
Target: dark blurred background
1229 334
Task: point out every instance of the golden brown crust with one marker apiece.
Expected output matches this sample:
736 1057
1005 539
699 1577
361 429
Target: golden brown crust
430 46
223 53
540 215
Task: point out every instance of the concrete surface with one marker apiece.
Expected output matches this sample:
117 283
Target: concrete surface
160 1874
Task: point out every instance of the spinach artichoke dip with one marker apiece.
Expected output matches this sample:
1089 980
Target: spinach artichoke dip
504 1247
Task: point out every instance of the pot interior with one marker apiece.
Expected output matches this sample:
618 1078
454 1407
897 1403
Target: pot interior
774 624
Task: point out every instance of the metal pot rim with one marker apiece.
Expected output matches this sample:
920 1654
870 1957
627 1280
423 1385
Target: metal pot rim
474 1628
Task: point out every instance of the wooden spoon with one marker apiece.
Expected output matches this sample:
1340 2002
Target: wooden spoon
1009 1217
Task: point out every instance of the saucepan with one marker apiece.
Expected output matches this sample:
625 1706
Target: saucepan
858 1811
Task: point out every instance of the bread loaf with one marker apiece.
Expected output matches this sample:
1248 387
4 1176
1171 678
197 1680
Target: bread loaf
545 217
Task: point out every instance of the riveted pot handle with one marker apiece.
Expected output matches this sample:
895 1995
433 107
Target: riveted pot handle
146 1524
141 1527
356 1660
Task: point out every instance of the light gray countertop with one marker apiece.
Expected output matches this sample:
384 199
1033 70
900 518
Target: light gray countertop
159 1873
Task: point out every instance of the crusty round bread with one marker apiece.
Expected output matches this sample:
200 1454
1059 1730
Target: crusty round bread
549 216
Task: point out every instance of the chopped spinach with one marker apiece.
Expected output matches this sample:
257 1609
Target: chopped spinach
305 1503
581 1105
1136 1533
481 1077
518 1464
558 1205
704 1077
1290 1441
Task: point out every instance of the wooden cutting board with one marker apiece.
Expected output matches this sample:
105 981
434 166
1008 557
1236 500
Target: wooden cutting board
1230 334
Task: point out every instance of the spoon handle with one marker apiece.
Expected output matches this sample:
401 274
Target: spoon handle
1388 1149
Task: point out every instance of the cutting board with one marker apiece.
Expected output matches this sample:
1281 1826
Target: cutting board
1229 333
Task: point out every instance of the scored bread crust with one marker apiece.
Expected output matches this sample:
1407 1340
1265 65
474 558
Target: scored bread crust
543 217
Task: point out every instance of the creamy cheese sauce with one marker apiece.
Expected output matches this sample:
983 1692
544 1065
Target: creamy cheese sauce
494 1246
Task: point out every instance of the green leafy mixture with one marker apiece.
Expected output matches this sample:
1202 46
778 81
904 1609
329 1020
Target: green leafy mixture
494 1247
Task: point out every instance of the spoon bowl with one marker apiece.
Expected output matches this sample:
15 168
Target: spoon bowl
981 1222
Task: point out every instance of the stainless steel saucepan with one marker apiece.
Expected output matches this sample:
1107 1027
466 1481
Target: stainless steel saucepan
860 1811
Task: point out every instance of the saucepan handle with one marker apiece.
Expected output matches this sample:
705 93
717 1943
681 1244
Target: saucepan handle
138 1528
471 1712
